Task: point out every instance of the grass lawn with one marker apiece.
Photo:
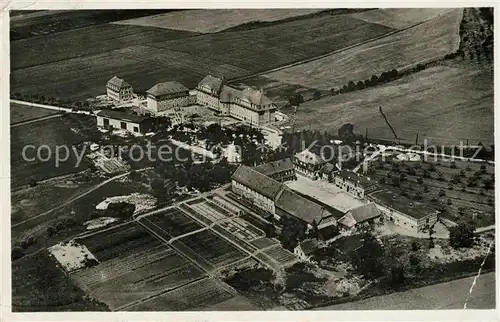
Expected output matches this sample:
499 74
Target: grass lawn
425 42
20 113
53 132
443 104
39 285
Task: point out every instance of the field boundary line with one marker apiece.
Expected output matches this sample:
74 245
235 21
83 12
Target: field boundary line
308 60
159 294
34 120
105 182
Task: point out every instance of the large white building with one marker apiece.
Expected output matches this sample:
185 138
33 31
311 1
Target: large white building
167 95
119 90
249 105
124 121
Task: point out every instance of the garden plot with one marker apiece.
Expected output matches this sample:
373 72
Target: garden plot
281 255
241 229
173 223
210 211
192 297
264 242
139 274
111 243
72 256
213 248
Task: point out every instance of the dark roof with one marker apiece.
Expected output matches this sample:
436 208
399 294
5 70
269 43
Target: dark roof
257 181
360 214
167 88
274 167
118 82
308 246
300 207
256 96
354 177
228 94
118 115
402 204
309 157
213 82
337 214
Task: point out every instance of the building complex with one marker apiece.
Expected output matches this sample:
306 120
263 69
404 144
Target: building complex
119 90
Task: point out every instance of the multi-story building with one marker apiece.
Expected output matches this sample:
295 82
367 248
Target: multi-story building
124 121
353 183
405 212
167 95
281 170
249 105
308 163
119 90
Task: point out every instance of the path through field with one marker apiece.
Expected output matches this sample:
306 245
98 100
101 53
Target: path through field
77 197
36 120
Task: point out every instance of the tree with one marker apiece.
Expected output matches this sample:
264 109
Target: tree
442 193
135 176
333 91
120 209
296 99
367 259
453 165
292 232
158 187
462 235
351 86
374 80
17 252
360 85
316 95
51 231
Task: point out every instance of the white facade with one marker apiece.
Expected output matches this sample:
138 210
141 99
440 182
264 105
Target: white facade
259 200
350 187
119 94
406 221
118 124
163 103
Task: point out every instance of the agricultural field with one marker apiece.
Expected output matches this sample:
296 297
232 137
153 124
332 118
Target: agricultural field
53 64
264 242
143 271
281 255
459 192
399 18
38 284
210 21
20 113
420 44
52 132
445 104
276 45
191 297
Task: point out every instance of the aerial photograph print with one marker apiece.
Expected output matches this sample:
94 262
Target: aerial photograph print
252 159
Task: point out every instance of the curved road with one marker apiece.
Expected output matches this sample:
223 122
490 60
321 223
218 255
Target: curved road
444 296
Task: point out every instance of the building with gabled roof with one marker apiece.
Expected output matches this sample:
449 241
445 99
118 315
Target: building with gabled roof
306 248
281 170
119 90
124 121
257 187
308 163
355 217
249 105
354 183
167 95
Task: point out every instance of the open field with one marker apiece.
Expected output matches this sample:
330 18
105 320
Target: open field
445 105
423 43
20 113
52 65
38 284
399 18
138 273
191 297
82 42
268 47
29 202
30 23
52 132
208 21
141 66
